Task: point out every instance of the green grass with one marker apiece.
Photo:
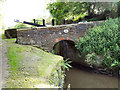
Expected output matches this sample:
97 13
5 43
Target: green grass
14 57
29 66
2 36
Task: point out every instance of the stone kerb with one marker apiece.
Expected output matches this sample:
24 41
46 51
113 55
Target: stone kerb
46 37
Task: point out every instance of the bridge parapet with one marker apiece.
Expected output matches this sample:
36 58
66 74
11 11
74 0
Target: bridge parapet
46 37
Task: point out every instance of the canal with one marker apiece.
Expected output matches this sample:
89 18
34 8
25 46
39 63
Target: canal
77 78
81 77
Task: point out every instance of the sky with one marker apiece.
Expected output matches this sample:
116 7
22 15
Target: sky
24 10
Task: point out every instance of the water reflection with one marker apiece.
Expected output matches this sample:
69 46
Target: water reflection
77 78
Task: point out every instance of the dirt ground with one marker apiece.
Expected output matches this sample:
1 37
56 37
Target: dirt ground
5 67
4 73
0 63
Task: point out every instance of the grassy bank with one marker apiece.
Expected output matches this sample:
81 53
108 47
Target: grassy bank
29 66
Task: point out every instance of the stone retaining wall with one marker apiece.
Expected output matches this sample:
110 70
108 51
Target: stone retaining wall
11 33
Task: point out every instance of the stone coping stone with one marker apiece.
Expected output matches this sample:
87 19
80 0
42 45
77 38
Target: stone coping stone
65 25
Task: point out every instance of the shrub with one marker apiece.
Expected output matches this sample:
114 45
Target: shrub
20 25
102 40
58 74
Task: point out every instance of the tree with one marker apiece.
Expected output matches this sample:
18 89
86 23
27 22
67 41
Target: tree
61 10
67 10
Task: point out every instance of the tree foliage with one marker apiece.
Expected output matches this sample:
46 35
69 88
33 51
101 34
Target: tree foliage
62 10
66 10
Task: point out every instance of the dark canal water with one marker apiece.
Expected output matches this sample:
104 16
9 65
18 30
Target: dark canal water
82 79
79 78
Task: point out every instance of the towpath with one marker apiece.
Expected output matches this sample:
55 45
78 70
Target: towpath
3 63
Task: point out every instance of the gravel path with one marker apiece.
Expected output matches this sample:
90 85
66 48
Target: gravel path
5 72
3 64
0 63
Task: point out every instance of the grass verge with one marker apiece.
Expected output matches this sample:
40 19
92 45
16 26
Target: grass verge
30 67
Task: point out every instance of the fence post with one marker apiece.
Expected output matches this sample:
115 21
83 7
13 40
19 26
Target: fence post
73 18
53 22
64 21
57 22
34 21
43 22
79 19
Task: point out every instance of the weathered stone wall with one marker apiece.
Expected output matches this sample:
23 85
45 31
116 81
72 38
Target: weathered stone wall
46 37
11 33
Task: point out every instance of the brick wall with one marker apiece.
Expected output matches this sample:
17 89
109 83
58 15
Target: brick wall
46 37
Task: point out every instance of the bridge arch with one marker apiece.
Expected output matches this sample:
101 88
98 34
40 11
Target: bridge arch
67 49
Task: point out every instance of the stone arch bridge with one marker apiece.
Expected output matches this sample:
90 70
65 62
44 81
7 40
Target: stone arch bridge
47 37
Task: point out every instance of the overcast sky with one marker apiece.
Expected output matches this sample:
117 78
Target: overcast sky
24 10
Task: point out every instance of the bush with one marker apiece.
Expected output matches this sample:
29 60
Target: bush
102 40
58 74
20 26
